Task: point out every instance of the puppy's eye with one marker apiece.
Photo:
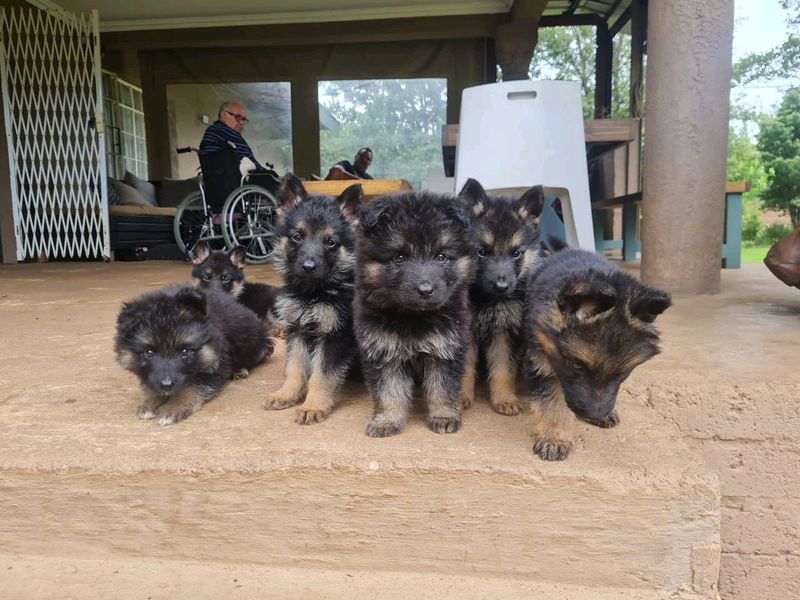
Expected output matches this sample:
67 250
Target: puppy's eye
331 243
576 365
186 352
481 252
441 257
226 278
297 237
399 259
517 254
206 277
148 353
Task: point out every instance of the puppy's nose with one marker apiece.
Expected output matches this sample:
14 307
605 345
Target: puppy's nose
167 383
425 289
501 285
309 265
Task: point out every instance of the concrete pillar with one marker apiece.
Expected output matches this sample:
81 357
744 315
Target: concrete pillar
688 87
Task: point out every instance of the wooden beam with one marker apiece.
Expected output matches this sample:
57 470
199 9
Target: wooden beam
603 72
527 9
569 21
423 28
604 131
573 6
638 33
620 23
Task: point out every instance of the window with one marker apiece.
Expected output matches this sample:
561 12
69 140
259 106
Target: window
400 119
125 136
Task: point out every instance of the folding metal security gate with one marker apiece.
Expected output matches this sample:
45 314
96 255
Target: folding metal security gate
52 97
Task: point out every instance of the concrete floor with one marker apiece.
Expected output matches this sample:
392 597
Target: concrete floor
66 407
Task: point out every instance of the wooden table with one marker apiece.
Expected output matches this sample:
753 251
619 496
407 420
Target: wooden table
372 187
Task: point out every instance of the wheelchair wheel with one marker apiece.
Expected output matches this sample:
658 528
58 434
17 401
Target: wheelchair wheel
247 220
192 224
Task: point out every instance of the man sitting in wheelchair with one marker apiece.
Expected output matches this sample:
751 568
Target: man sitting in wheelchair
226 158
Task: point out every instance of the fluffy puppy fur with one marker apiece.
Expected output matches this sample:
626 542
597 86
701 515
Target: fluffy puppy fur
226 269
184 344
315 254
411 309
506 236
588 324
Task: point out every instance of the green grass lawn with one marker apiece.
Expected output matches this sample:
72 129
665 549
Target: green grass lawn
754 254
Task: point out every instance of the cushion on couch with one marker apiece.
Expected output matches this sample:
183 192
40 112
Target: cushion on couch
145 188
173 191
128 195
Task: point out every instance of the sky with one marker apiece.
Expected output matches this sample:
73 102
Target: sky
759 26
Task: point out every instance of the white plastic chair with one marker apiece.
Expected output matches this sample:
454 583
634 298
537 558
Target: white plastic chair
517 134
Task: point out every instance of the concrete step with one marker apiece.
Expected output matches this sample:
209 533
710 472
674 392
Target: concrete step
632 513
36 577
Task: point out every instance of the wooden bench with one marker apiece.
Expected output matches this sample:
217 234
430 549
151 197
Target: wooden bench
631 207
372 187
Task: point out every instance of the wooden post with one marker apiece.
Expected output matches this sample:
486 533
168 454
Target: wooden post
638 36
305 127
8 235
603 66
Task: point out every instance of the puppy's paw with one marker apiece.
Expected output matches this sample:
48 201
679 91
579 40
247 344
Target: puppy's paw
266 351
444 424
505 405
308 415
169 414
145 412
467 398
379 427
280 400
241 374
610 420
552 449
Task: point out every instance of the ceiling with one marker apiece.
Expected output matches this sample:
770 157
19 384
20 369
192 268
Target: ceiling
125 15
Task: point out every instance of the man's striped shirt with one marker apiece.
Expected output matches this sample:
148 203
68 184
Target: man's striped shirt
219 136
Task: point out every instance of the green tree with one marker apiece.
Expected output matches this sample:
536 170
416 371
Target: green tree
779 145
400 119
780 62
569 53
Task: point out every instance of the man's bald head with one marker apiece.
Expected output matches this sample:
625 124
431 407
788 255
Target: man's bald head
233 114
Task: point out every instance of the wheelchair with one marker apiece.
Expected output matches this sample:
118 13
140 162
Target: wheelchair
228 210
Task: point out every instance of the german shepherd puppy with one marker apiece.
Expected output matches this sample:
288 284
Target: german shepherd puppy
588 324
507 239
184 344
226 269
411 309
315 255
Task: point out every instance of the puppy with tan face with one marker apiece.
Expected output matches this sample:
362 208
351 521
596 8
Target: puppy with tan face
411 309
315 256
588 324
506 239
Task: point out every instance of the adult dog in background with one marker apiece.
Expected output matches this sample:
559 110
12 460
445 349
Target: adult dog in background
226 269
588 324
507 239
184 344
315 255
411 310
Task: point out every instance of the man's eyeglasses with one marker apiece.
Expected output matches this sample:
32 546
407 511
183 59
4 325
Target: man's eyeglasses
239 118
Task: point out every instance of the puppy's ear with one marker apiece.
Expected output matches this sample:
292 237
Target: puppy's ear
474 196
531 204
350 202
376 215
649 303
201 251
582 300
291 192
237 257
193 300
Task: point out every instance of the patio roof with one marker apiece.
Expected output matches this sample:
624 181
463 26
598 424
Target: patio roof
156 14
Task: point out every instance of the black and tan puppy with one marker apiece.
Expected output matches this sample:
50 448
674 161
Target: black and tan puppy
226 269
412 309
507 239
315 255
184 344
588 325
